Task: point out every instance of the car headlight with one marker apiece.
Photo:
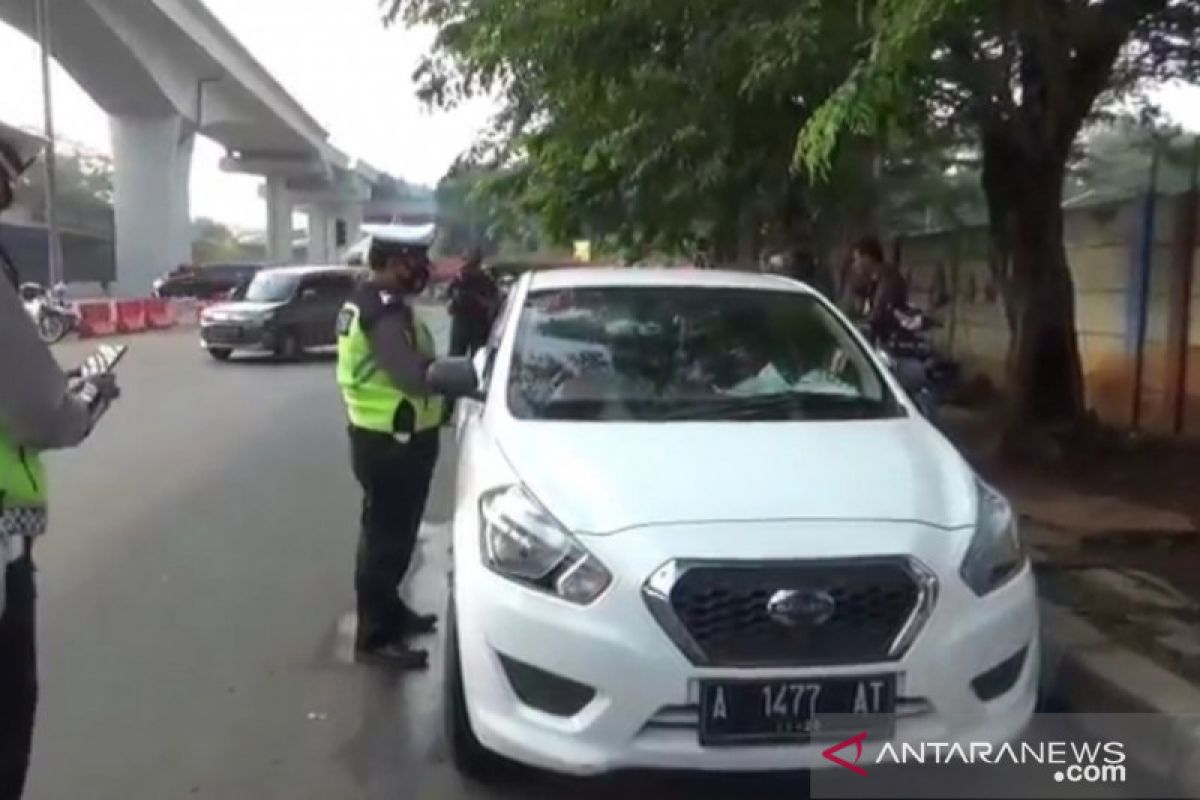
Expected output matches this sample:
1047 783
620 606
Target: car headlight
996 553
521 541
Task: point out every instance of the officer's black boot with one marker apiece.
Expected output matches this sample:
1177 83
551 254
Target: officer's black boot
416 624
395 654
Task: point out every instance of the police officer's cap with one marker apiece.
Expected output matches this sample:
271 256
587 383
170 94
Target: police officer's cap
398 240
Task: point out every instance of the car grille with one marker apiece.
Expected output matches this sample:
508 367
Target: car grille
221 333
718 613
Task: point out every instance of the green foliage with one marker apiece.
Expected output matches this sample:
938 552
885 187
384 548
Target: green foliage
85 191
643 126
1035 70
473 213
213 242
1114 162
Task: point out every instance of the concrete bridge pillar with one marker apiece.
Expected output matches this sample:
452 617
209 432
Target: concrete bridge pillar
321 226
353 217
152 160
279 220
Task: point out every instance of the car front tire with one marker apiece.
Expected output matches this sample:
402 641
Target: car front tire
470 758
289 348
220 353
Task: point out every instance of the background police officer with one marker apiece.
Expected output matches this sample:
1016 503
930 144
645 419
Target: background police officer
384 351
40 409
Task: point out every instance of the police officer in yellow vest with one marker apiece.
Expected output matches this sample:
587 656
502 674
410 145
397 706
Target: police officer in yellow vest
384 351
41 408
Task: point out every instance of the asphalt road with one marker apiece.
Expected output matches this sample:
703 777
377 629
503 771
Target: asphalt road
196 607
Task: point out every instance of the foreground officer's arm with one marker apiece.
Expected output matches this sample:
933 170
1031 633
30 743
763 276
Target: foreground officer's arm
36 409
389 326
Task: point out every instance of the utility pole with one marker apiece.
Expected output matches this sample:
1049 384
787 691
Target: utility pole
54 242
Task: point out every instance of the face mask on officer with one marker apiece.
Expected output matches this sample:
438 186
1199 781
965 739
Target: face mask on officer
403 270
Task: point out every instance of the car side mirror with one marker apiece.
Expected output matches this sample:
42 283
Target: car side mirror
480 359
308 295
454 378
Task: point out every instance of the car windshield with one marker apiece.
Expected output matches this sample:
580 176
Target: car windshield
268 287
682 353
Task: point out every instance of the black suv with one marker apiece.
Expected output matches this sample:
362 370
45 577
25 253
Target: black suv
284 310
207 282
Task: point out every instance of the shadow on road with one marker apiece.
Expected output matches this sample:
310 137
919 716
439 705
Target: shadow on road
529 785
266 360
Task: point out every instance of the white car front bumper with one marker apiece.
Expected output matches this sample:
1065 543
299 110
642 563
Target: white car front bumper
644 713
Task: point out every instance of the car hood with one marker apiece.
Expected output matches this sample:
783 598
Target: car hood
605 477
243 308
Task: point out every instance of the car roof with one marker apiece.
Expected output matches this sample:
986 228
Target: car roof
589 277
304 271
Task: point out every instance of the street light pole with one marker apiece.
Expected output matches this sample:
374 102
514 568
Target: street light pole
54 242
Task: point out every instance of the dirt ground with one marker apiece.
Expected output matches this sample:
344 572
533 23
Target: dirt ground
1159 472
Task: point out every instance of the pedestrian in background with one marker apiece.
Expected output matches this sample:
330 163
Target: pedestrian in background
40 409
384 351
876 290
474 301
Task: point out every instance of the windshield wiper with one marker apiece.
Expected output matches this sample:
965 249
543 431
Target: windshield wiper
797 405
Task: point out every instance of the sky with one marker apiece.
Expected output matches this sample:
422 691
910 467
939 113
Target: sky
345 68
334 56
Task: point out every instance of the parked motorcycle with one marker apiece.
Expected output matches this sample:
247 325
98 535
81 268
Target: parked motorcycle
926 373
50 311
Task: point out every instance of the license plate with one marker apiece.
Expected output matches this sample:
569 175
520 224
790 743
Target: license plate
776 711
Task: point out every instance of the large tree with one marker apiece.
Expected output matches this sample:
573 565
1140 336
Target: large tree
85 192
471 215
645 125
1022 77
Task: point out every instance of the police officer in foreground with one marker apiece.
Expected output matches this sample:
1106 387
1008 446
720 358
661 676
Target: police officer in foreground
41 408
384 351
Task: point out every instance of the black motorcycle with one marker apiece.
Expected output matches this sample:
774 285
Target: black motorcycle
927 374
50 311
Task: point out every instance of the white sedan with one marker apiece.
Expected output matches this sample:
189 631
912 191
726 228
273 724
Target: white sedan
699 526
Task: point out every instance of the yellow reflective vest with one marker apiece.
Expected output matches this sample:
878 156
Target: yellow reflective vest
22 476
372 401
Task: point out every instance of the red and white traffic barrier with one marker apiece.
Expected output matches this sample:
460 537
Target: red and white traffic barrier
160 314
187 312
97 318
134 315
131 316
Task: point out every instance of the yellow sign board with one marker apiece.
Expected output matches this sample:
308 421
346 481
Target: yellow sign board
583 250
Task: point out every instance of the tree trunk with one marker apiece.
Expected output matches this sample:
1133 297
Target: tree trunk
1024 191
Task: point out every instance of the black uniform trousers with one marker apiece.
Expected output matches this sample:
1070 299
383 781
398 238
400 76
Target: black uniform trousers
18 677
395 480
468 333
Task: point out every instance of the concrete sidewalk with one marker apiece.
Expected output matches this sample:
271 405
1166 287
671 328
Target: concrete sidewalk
1120 586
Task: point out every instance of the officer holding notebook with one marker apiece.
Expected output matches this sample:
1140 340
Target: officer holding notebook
41 408
384 350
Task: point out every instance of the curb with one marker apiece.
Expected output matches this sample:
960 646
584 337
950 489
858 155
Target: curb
1095 676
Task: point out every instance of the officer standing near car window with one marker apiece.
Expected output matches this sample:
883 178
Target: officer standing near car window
40 409
384 351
